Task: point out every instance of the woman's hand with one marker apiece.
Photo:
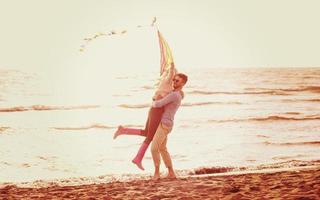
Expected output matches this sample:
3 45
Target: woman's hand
157 97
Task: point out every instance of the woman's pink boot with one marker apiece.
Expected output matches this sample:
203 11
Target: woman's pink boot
137 160
126 131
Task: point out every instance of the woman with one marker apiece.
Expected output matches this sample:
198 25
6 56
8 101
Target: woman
154 116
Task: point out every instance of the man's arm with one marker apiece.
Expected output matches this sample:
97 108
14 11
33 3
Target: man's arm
164 101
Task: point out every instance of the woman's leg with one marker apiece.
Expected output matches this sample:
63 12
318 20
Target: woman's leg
154 119
153 123
127 131
132 131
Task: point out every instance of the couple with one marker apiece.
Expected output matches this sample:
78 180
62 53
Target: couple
159 123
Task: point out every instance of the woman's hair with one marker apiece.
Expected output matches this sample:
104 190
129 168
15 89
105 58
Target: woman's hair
183 77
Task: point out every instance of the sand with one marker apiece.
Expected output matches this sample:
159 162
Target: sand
302 184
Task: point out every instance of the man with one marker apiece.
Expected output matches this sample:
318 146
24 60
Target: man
171 103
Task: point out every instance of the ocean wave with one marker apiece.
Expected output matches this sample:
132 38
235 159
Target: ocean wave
317 143
133 126
226 120
134 106
285 164
314 89
300 100
45 108
93 126
310 77
270 118
209 103
189 104
313 100
282 118
263 136
257 91
201 92
289 157
279 165
293 113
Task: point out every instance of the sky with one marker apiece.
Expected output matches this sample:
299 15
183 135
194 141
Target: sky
46 34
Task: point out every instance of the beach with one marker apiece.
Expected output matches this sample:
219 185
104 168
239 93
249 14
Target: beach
302 184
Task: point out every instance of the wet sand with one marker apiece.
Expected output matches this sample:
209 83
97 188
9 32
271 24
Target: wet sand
297 184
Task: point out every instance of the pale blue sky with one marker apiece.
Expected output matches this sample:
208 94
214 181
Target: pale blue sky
46 35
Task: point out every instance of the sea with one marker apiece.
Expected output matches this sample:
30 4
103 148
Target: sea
60 126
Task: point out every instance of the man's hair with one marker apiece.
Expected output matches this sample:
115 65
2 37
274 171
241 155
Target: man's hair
183 77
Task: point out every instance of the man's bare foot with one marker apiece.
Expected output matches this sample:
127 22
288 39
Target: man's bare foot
171 176
117 133
139 165
156 177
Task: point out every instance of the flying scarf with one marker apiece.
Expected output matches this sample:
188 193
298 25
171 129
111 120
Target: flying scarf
167 68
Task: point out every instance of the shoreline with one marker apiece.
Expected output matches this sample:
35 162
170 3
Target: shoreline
292 183
196 172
